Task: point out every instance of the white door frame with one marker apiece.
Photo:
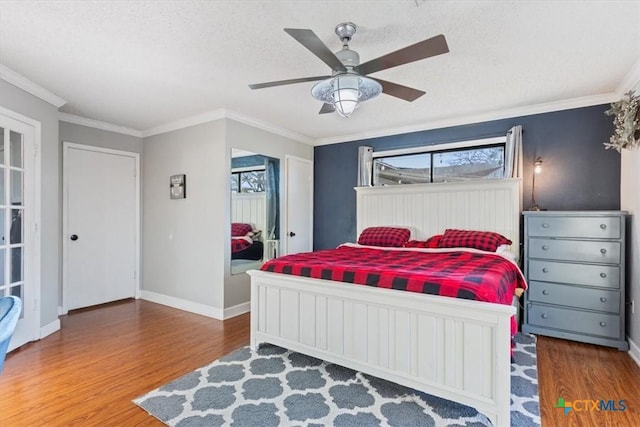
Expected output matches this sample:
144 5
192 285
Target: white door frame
65 211
288 157
37 244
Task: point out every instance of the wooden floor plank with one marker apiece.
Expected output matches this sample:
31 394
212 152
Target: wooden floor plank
88 373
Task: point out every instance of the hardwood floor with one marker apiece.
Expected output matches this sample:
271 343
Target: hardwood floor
88 373
577 371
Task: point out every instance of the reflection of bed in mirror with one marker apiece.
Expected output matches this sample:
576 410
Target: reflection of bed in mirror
248 208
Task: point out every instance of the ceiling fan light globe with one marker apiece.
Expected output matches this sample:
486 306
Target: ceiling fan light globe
346 94
345 104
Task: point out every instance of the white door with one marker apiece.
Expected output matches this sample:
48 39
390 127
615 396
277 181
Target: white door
100 228
18 248
298 234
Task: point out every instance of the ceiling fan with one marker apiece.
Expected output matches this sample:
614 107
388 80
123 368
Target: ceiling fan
347 86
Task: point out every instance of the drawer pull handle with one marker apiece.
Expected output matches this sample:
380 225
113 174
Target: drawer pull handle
603 299
545 225
545 270
603 275
603 251
545 292
603 226
603 324
544 315
545 247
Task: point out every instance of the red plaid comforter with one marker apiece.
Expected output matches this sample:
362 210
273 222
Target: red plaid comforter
473 275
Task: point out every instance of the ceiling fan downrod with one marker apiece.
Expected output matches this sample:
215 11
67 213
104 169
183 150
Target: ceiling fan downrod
350 58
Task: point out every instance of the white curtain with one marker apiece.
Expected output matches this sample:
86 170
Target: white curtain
513 153
365 166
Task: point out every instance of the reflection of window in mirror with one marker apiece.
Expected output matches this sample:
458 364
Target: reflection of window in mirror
248 180
254 207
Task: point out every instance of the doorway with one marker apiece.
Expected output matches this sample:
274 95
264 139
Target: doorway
101 223
19 218
299 192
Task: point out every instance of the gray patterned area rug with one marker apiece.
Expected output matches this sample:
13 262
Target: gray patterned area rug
277 387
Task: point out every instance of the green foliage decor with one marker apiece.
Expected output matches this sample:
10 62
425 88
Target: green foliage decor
626 120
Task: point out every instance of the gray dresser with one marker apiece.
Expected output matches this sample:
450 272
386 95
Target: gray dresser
574 262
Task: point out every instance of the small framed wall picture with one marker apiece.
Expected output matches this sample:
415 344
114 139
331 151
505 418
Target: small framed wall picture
178 186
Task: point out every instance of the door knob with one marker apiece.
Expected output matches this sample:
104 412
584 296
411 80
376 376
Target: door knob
291 234
74 237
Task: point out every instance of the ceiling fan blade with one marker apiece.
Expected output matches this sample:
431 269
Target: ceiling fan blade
399 91
427 48
287 82
309 40
326 108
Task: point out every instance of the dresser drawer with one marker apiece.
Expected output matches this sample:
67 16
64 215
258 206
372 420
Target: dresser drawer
575 250
606 325
605 276
591 299
576 226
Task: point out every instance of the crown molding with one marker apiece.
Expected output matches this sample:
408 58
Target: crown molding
18 80
567 104
223 113
238 117
83 121
631 80
198 119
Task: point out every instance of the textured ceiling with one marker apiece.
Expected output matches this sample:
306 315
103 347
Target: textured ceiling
144 64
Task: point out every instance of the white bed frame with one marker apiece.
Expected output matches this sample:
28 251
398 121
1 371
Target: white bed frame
453 348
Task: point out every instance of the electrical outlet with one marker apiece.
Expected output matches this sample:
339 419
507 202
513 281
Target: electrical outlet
633 306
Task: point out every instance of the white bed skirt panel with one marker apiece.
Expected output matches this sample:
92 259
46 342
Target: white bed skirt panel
452 348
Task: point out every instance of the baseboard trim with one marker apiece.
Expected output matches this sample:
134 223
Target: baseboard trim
181 304
237 310
49 329
634 351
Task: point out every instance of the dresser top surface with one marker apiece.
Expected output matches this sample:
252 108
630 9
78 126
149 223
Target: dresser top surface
575 213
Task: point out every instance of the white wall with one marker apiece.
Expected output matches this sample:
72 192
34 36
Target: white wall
630 201
186 254
21 102
182 248
239 135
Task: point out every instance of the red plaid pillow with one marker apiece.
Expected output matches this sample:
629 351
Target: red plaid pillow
384 236
239 229
416 244
483 240
431 242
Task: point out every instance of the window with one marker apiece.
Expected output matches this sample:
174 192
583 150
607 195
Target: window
451 162
248 181
407 169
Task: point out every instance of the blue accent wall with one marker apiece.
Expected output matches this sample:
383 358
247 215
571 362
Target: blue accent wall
578 173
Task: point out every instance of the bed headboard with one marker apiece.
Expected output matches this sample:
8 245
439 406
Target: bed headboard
492 205
250 208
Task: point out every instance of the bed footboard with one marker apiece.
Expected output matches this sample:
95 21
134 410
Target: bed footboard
452 348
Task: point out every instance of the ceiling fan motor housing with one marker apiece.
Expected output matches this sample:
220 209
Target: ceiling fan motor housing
348 57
